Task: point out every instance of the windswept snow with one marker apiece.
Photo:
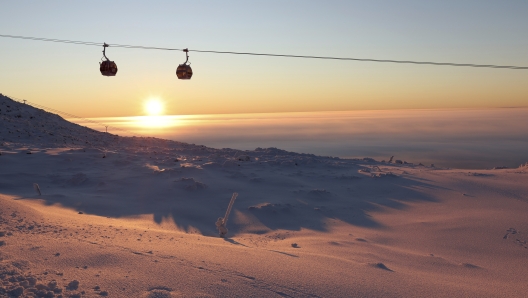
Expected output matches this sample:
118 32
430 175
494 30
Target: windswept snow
135 217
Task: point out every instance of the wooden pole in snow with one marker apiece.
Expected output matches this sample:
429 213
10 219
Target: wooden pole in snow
222 221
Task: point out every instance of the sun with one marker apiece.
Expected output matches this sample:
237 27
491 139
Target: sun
154 107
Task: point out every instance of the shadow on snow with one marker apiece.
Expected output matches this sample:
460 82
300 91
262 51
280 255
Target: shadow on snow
270 197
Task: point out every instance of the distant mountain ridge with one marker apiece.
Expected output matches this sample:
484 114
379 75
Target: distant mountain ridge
23 124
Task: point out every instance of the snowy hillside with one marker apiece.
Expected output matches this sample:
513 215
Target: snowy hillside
89 214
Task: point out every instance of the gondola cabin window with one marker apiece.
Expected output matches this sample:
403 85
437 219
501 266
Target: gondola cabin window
108 68
184 72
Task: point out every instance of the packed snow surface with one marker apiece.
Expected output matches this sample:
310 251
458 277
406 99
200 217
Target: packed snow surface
89 214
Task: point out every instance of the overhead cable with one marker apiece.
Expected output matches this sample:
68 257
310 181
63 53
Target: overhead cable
270 55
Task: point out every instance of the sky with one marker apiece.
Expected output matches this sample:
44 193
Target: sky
66 76
459 138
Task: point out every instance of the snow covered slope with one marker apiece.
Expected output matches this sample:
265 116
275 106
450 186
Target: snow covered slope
135 217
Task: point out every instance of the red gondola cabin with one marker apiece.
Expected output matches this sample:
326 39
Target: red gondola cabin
108 68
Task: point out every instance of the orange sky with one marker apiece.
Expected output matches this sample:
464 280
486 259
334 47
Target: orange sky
66 76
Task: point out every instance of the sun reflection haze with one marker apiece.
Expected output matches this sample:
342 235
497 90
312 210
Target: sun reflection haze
154 121
154 106
461 138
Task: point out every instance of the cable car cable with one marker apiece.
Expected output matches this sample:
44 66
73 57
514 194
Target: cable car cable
371 60
274 55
